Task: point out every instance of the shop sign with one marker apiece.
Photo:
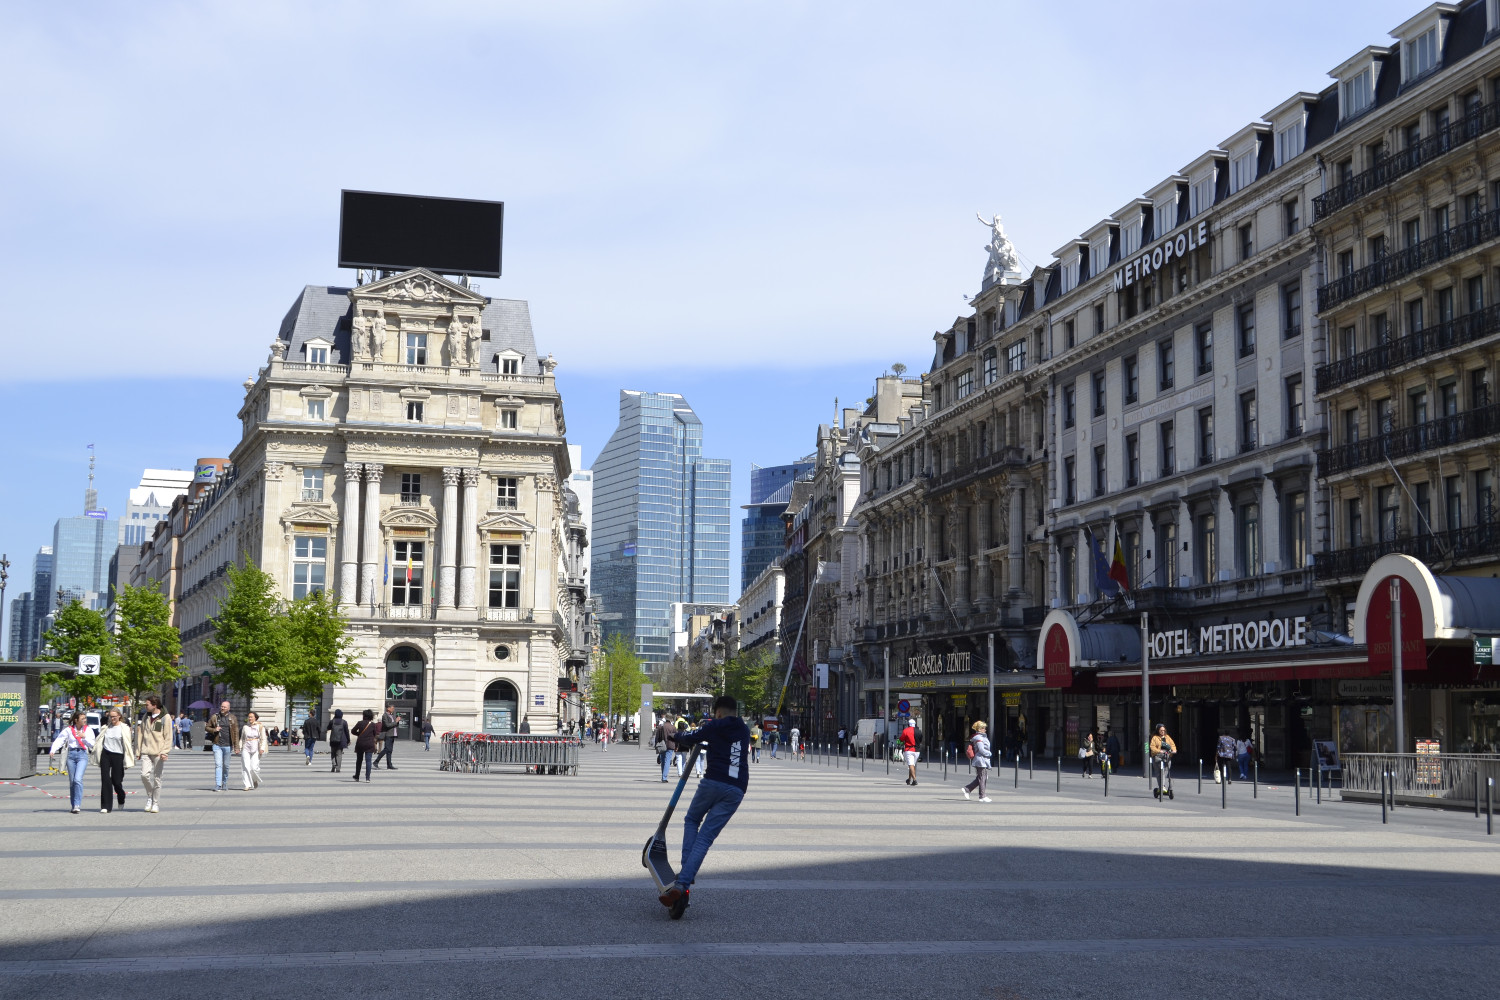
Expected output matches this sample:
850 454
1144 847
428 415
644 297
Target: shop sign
1370 687
1429 762
1234 637
1012 699
1159 256
1484 650
937 663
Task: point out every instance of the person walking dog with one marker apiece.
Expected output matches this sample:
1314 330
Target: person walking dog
978 752
78 739
153 741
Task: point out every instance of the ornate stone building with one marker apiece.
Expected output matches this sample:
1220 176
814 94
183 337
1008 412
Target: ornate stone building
404 447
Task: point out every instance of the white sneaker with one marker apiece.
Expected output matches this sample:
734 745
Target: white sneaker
985 799
75 811
104 810
965 791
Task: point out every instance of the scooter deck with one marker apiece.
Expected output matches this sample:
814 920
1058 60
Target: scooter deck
654 856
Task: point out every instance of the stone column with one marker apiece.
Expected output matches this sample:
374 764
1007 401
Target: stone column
1228 531
468 540
369 567
1270 529
447 572
1017 549
1085 578
986 600
349 536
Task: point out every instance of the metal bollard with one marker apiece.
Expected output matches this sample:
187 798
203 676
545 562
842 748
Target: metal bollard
1319 779
1106 782
945 763
1224 792
1297 793
1489 806
1476 793
1031 765
1200 775
1018 770
1383 818
1059 772
1255 778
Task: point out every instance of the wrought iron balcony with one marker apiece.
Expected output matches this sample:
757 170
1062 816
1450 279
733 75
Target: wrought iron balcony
1471 425
1471 126
1388 356
999 458
1392 267
1477 540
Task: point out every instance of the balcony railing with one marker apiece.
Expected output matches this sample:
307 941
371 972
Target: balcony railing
507 614
1393 354
419 611
983 463
1392 267
1456 428
316 494
1476 540
1471 126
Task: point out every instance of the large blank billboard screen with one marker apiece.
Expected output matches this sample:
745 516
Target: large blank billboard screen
397 232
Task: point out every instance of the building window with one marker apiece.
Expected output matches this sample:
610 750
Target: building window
1356 94
1101 471
1247 241
1348 342
1132 368
1098 320
1417 400
1421 54
1479 387
416 348
509 419
1205 435
1384 423
317 355
507 493
1166 365
965 386
1484 497
1444 299
991 367
1345 263
406 574
414 410
1204 335
411 487
1132 460
1422 512
1166 555
1380 330
1068 563
312 484
1294 406
1168 448
1351 425
1354 522
317 409
1070 405
1250 540
1242 171
1291 310
1473 208
1249 432
1245 324
1411 233
1387 514
1098 381
1208 548
309 565
1453 502
1015 357
1376 247
510 366
1474 293
505 576
1070 480
1201 195
1291 217
1295 508
1288 143
1069 336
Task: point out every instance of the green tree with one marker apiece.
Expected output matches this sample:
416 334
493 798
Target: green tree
75 631
750 678
251 645
623 665
149 644
320 648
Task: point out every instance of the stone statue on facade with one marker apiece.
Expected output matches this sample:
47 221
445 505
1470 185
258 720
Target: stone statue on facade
472 335
1003 255
377 337
359 330
458 342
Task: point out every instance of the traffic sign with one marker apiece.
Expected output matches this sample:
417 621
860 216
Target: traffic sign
88 664
903 706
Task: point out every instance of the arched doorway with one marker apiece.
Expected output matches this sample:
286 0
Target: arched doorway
500 702
404 670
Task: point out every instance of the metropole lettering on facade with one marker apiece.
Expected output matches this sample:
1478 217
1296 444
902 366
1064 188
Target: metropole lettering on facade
1161 255
1231 637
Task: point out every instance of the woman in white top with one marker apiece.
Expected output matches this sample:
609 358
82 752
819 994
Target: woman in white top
78 739
114 754
252 745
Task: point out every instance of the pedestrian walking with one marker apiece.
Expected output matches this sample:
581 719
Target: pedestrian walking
153 741
185 731
978 752
310 733
390 728
1225 753
1242 757
909 752
338 739
755 738
775 738
843 735
1088 751
114 755
727 741
1249 758
666 749
1111 749
796 742
223 734
365 732
253 743
427 733
526 724
78 740
1162 751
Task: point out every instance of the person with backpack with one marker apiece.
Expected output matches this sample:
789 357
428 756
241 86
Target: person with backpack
365 731
1224 753
978 752
909 752
338 739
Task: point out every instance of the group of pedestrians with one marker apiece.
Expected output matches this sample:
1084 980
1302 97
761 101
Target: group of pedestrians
114 750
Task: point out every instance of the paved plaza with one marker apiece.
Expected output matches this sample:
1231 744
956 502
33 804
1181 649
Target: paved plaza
829 883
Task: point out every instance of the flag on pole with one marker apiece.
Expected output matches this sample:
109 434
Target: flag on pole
1103 583
1118 571
385 575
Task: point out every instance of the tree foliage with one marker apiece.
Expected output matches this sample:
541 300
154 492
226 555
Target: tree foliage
319 648
251 645
751 678
148 643
75 631
623 665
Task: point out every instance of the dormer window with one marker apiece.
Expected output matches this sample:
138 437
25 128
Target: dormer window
1201 195
317 351
1242 171
1420 55
509 362
1131 239
1165 217
1356 94
1070 274
1289 142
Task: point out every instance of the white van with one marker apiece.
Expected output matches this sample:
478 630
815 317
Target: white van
869 731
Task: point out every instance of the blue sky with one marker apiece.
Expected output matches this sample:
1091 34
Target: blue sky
760 206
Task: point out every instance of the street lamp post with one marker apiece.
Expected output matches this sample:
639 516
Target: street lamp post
4 575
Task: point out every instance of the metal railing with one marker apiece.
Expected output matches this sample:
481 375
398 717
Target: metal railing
1456 332
1433 548
1454 777
1456 428
483 752
1393 266
1480 121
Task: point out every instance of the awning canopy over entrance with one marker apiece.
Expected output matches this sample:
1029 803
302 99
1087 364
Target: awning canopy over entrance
1433 607
1067 645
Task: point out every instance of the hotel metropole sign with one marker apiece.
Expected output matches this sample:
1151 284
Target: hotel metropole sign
1235 637
1159 256
937 663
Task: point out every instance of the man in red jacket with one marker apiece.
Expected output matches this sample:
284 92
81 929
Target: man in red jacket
909 750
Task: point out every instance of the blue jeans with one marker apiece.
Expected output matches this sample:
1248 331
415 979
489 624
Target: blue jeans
666 764
713 804
77 763
221 766
1244 767
308 745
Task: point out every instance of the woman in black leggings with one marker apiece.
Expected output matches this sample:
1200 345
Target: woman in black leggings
115 755
365 732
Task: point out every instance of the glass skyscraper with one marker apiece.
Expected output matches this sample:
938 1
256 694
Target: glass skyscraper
81 547
661 522
762 532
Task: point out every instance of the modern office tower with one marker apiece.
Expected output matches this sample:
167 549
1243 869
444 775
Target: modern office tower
661 517
762 532
29 611
581 482
151 501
